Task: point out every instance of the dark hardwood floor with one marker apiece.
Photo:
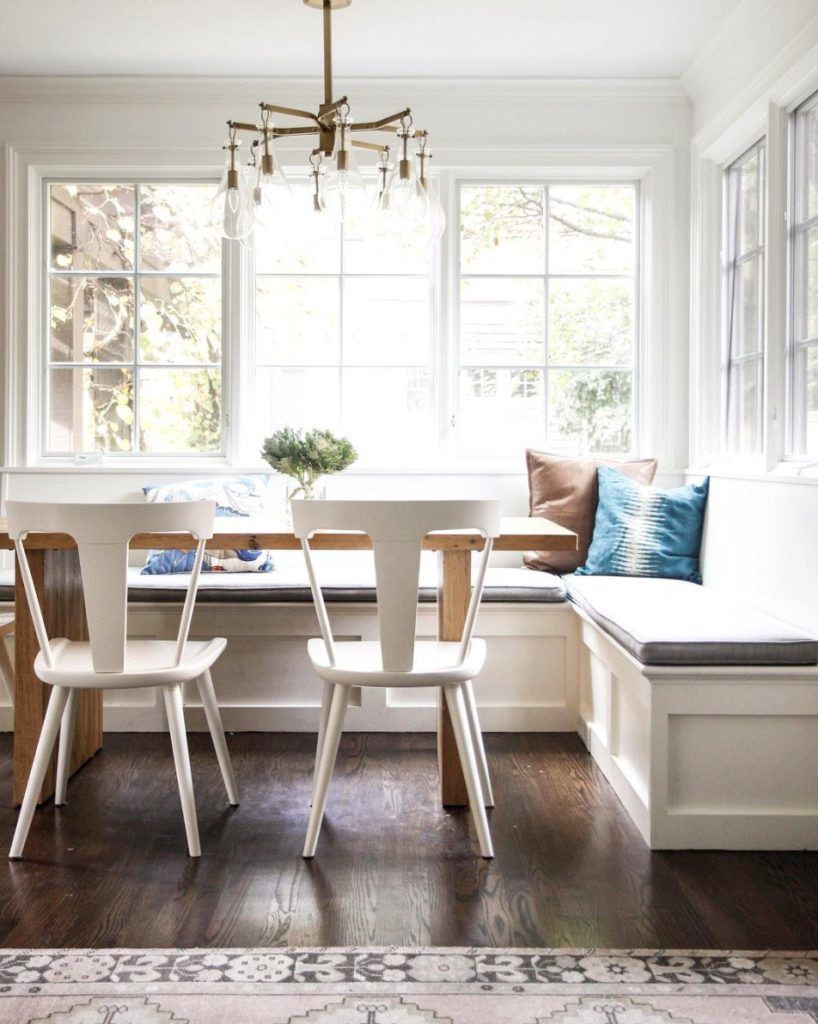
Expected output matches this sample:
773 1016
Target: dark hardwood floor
111 868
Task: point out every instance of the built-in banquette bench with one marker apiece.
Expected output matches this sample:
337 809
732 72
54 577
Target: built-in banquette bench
264 679
700 703
700 709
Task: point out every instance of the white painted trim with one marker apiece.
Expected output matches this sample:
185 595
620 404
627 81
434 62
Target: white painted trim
783 80
216 91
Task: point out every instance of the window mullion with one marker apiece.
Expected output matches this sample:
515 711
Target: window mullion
136 444
546 194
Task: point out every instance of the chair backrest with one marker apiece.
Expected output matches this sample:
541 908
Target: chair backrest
102 533
396 529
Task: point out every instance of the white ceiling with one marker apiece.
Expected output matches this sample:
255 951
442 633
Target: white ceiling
461 38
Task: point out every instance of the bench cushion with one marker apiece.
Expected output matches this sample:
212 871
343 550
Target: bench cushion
343 584
346 584
672 622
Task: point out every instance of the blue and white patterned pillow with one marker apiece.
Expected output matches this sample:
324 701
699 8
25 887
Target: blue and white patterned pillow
646 531
234 496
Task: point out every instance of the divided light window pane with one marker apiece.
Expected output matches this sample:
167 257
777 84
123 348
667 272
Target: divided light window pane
135 320
343 337
547 314
744 249
804 261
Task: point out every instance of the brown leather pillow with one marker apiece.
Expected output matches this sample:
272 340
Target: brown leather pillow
567 492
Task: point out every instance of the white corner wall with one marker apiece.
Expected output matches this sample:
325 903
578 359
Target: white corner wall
760 539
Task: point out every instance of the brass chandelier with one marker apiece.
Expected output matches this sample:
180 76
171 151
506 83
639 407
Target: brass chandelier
401 200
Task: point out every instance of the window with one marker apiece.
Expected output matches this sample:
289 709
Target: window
343 336
804 299
743 362
149 317
134 300
547 315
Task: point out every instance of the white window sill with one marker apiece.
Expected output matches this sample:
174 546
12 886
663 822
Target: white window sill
205 467
788 471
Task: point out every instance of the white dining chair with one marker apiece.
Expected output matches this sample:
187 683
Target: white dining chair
108 660
397 659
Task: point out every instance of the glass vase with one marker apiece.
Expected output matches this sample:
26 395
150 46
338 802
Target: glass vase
315 491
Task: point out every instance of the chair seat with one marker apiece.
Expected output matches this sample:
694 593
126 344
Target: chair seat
358 663
6 622
147 663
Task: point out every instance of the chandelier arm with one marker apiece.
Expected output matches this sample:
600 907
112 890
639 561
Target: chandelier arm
244 126
327 110
284 132
368 126
290 111
376 147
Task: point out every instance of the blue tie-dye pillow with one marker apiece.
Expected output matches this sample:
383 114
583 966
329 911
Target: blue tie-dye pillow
234 496
646 531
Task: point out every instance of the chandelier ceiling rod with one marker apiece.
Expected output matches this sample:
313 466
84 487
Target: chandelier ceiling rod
327 53
324 122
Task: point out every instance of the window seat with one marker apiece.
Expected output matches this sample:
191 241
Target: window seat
671 622
345 583
702 713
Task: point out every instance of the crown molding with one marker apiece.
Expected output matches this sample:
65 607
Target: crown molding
742 19
217 91
782 79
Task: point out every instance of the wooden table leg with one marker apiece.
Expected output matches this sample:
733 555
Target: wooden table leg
454 592
57 579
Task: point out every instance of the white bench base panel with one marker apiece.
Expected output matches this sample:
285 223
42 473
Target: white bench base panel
704 758
264 681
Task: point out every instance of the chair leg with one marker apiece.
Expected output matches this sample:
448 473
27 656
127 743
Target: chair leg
329 751
477 743
64 751
460 724
326 701
42 756
181 758
214 722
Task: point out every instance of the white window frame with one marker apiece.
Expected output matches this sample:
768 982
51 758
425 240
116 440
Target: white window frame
714 147
731 261
797 231
662 299
547 182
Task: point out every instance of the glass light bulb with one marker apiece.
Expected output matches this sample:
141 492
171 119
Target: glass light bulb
345 189
435 217
407 197
272 193
232 210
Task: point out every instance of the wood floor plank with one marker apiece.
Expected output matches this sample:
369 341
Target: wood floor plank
393 867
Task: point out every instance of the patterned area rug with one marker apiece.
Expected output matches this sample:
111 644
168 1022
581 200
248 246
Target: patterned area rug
394 986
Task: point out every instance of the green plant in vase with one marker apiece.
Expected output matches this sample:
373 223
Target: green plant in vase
306 457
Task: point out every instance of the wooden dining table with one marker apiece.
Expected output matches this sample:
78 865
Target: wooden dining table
55 568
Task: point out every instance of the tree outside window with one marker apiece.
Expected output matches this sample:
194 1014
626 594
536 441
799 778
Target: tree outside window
547 307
